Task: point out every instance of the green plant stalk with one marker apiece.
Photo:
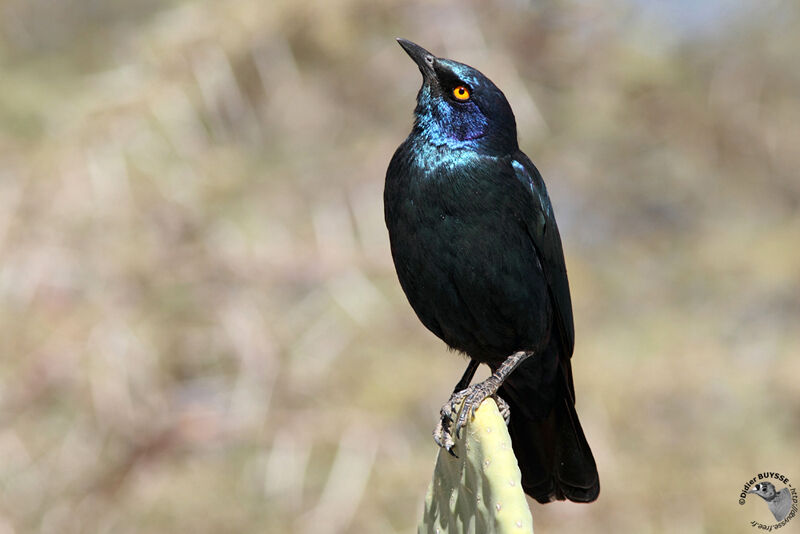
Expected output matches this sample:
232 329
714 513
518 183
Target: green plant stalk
480 491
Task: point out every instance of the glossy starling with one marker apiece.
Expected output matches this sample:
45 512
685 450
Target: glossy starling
478 254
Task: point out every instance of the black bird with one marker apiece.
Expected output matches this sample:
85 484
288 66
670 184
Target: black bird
478 254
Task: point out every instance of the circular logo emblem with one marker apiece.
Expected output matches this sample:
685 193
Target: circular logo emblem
773 491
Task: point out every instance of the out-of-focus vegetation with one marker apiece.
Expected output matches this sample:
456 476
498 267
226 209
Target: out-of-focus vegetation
200 325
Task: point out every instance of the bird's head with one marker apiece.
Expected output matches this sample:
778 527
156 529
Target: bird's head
460 107
765 490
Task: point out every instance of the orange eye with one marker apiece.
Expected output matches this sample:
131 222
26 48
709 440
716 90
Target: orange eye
461 93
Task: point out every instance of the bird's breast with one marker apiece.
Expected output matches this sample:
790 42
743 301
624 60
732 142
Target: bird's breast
466 261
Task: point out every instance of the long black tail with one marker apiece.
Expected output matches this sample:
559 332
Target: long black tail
554 457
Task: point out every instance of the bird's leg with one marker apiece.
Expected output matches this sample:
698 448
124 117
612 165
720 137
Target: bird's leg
474 395
466 378
441 434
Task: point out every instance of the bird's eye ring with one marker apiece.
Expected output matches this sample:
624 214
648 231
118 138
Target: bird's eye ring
461 93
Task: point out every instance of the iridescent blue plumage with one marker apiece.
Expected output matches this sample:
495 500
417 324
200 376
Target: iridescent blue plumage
479 256
482 123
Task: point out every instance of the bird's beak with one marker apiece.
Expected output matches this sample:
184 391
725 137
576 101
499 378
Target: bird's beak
421 57
751 491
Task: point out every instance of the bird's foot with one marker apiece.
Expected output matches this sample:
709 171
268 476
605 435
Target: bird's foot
442 434
472 397
449 426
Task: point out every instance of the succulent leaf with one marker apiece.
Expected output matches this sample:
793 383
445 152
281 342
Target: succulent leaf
479 492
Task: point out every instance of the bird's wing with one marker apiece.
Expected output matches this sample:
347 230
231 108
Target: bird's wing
543 230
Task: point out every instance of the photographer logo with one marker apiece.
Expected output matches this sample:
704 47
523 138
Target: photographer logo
776 493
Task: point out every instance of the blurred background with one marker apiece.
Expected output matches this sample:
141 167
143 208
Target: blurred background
201 329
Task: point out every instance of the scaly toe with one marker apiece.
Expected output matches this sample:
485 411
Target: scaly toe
443 437
438 434
505 410
467 413
443 433
475 396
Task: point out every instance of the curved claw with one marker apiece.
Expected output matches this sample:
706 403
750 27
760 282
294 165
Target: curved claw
442 434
